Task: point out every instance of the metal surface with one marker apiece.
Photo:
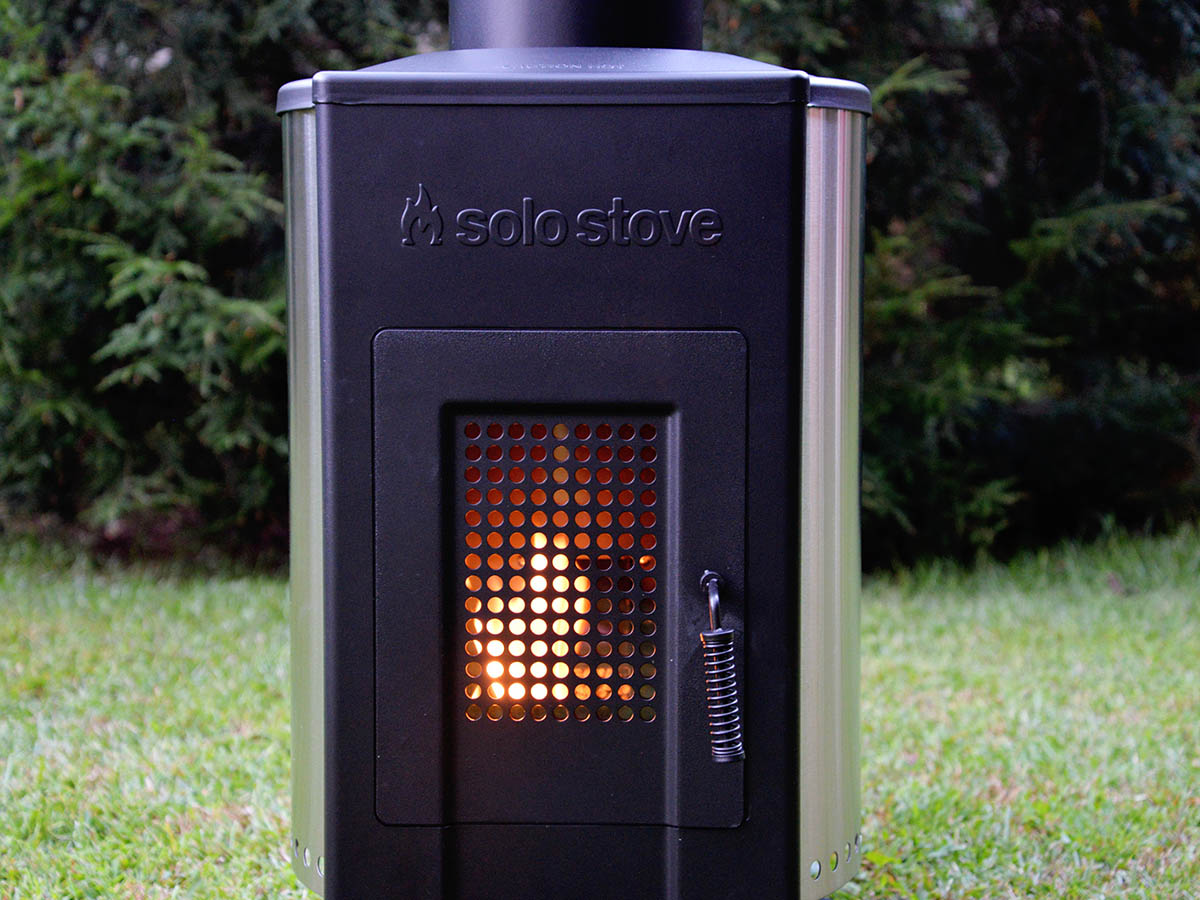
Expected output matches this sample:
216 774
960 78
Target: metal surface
575 23
665 136
829 500
572 75
562 75
307 571
720 676
837 93
710 582
584 527
436 766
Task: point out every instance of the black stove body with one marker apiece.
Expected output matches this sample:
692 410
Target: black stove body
573 362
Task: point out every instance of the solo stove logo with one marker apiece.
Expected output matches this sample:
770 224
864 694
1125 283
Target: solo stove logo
421 222
420 215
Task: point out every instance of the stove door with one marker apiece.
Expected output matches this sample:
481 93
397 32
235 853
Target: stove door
545 505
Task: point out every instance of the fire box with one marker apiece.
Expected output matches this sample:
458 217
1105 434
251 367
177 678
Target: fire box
574 360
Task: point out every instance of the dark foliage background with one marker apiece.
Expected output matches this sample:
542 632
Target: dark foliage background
1032 331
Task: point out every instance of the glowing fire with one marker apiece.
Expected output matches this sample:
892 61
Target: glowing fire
559 595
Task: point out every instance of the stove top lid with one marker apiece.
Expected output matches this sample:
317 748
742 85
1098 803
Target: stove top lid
571 75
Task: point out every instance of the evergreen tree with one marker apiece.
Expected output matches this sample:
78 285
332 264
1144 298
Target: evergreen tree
1031 307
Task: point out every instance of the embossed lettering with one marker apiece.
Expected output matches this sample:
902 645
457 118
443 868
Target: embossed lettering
675 231
505 234
594 226
617 215
644 227
705 228
527 221
550 227
474 227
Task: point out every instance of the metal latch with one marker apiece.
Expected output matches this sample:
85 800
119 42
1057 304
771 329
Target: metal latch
720 677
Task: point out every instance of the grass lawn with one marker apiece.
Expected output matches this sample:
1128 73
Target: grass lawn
1030 730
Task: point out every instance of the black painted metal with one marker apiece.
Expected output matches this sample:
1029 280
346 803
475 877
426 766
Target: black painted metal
529 252
729 170
450 770
575 23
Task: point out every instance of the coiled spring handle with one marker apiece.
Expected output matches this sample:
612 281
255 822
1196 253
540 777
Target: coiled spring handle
720 677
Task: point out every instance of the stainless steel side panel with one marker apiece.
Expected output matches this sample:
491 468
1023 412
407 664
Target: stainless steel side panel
307 576
830 576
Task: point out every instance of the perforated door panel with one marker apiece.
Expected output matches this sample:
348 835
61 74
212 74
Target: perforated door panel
545 504
556 521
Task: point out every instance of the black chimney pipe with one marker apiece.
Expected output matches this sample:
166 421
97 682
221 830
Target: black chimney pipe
575 23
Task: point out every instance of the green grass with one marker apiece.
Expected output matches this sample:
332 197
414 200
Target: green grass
1030 730
1034 730
143 732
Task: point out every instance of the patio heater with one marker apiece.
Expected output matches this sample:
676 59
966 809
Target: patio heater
573 348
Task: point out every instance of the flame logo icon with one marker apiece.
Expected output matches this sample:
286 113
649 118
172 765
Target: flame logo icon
420 215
